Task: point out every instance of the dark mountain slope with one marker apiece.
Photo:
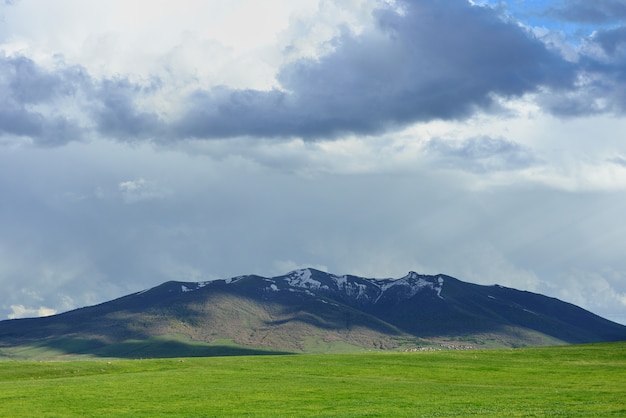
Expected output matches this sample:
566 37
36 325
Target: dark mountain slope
308 309
246 310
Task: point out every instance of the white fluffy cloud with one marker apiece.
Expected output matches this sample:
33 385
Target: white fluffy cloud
20 311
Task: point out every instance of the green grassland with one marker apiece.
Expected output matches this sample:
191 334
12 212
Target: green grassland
579 380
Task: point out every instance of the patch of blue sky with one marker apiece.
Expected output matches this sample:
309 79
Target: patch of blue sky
542 14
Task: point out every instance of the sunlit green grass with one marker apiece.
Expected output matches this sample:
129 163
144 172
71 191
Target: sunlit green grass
587 380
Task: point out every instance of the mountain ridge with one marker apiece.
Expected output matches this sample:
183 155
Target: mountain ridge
306 310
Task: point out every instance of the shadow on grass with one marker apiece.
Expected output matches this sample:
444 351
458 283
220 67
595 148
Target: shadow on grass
158 347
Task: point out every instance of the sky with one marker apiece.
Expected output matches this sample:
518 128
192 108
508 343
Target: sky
142 142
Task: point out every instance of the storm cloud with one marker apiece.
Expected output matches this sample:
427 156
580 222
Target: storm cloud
415 65
29 98
419 62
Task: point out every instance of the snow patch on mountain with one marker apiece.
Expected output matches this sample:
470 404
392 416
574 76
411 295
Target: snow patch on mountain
412 284
367 290
356 290
304 279
363 290
190 287
439 288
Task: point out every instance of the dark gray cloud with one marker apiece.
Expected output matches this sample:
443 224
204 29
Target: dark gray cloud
611 39
25 87
430 61
433 61
586 11
34 103
481 154
116 114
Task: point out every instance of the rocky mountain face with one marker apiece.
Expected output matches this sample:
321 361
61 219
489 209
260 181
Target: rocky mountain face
309 310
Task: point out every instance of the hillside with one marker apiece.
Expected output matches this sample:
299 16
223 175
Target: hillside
311 311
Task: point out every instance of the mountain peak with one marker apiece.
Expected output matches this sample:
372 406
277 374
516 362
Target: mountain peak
411 275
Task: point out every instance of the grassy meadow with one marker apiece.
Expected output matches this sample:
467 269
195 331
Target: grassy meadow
579 380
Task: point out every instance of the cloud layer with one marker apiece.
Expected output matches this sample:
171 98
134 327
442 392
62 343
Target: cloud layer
417 62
